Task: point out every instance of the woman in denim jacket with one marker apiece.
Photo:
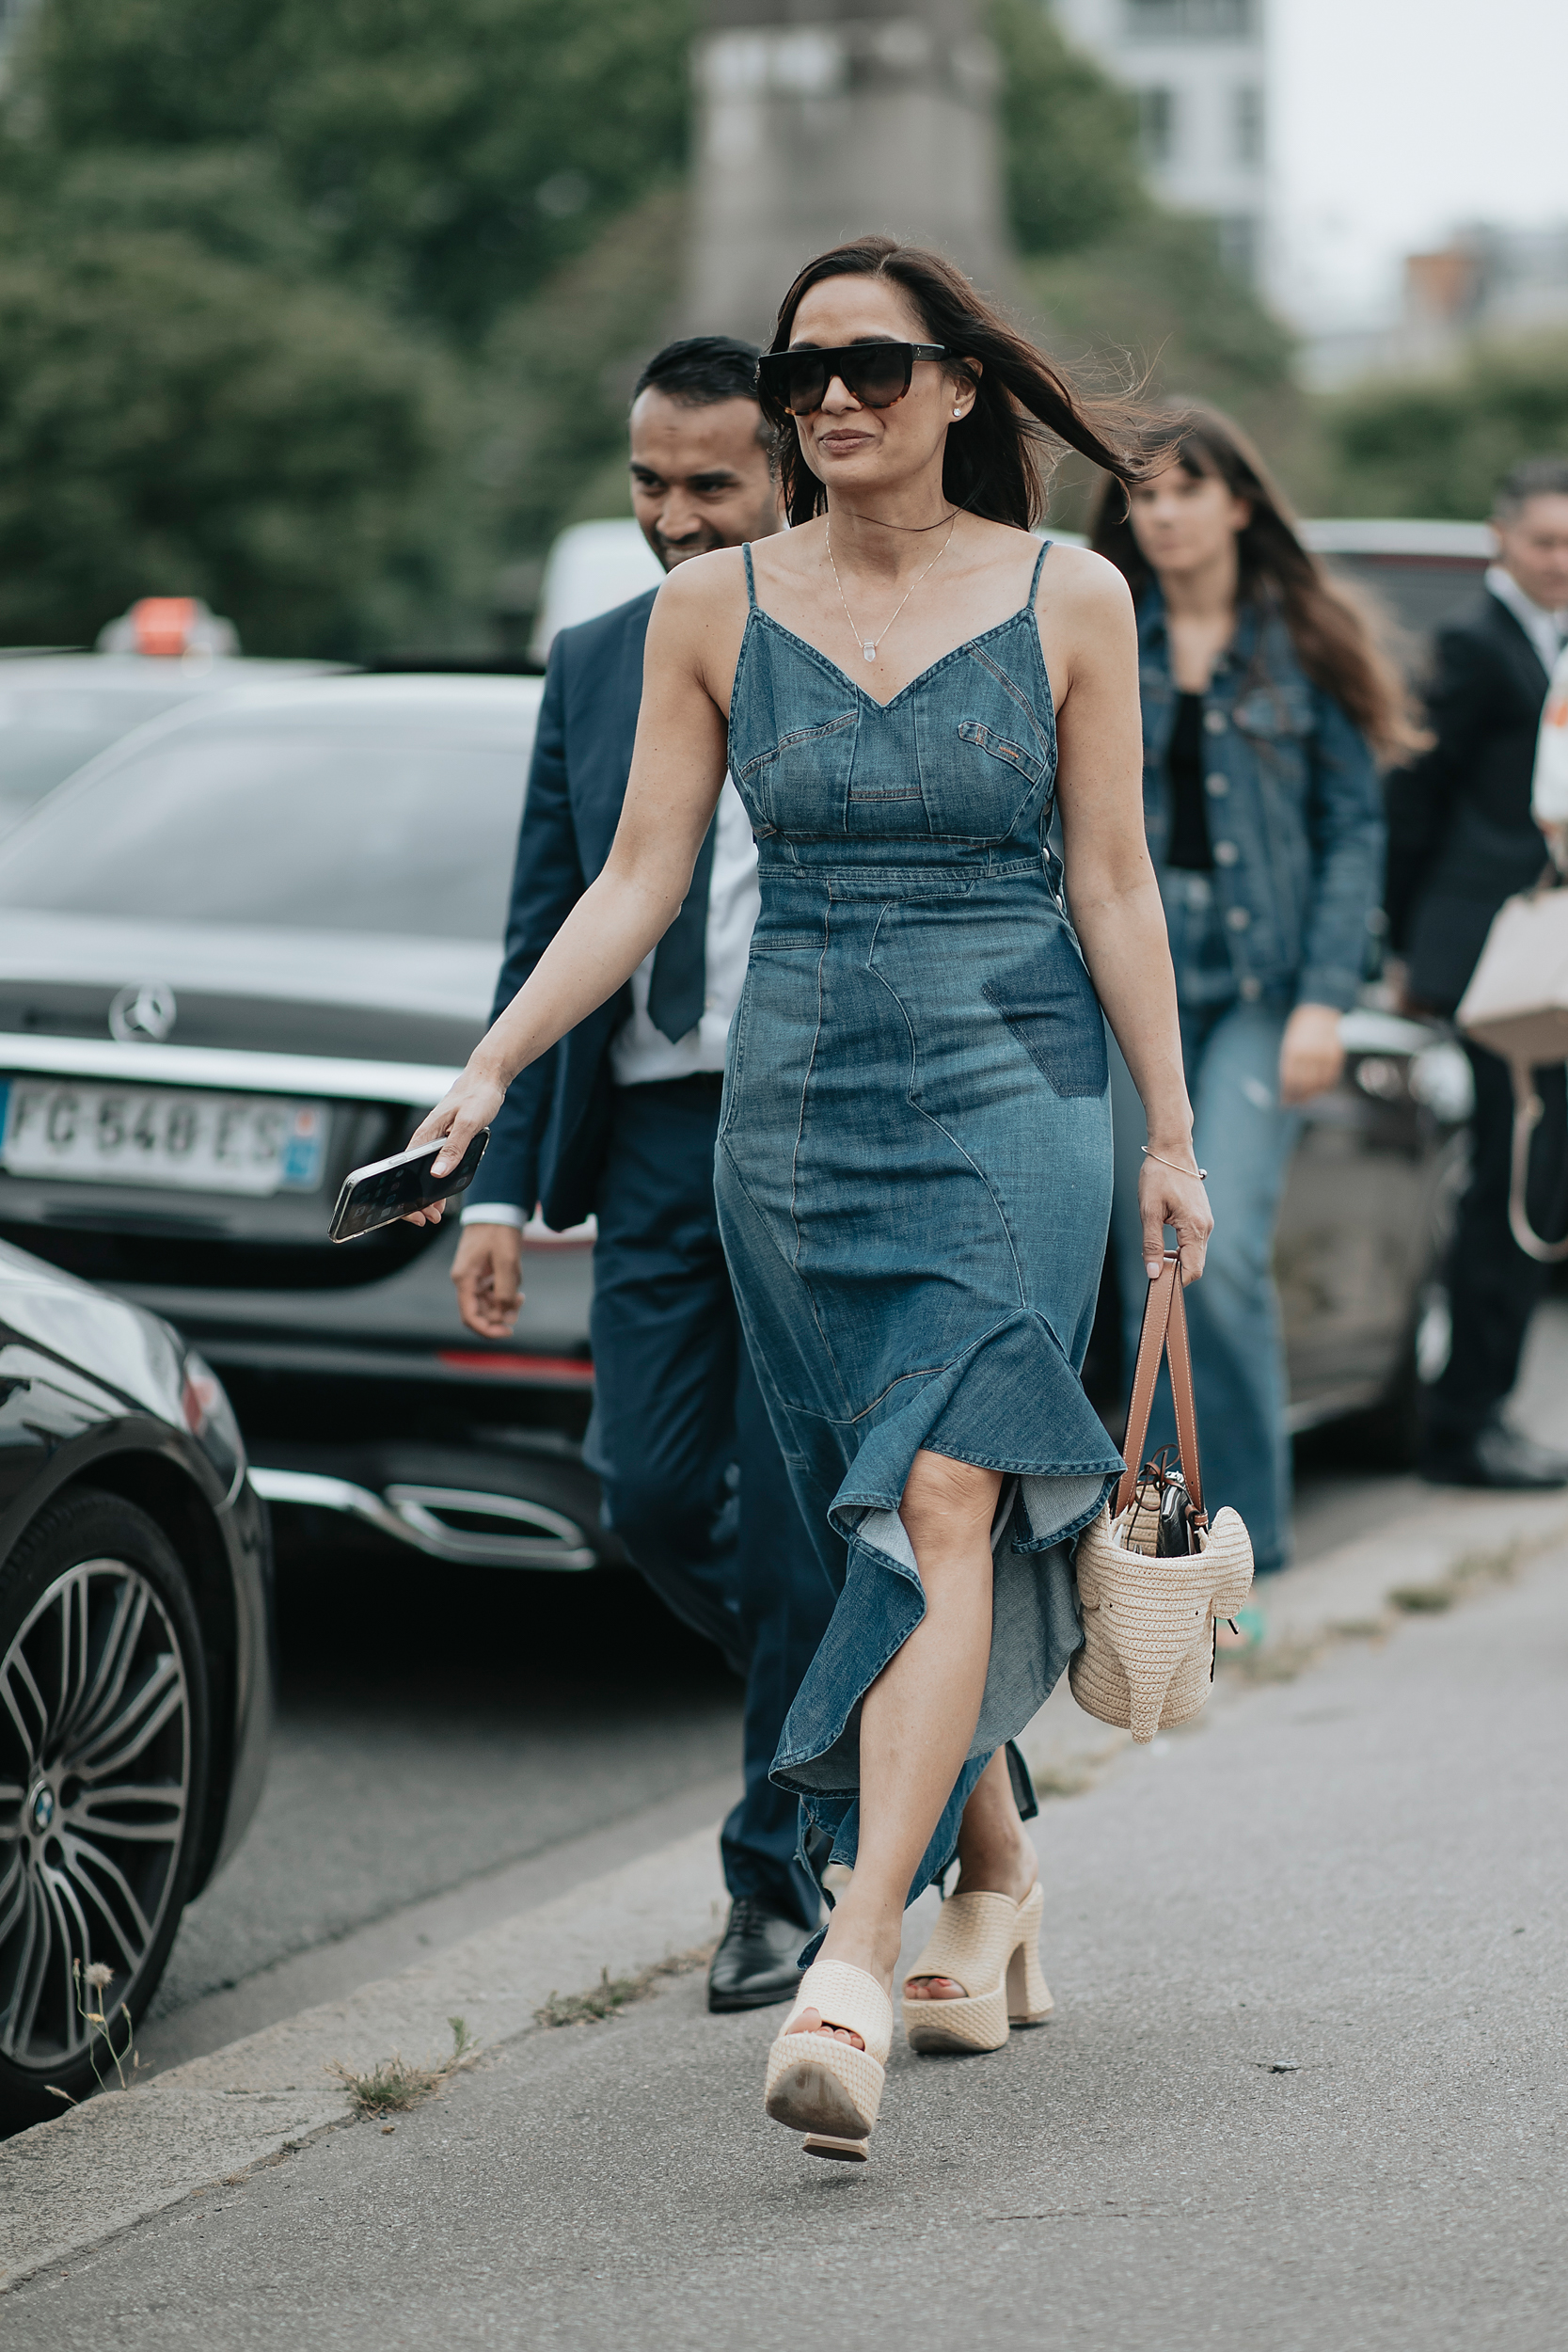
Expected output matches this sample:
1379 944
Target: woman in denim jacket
1263 698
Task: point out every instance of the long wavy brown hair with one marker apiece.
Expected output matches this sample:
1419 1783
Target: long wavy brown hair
1341 637
999 460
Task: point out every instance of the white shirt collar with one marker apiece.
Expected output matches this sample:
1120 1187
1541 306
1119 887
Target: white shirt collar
1545 630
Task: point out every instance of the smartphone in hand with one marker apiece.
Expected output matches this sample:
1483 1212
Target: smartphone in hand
381 1192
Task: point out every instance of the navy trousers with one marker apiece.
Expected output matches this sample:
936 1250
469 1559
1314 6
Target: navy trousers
695 1483
1492 1287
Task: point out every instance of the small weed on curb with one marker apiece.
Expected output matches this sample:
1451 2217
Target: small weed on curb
1270 1662
1471 1569
395 2086
617 1993
89 1985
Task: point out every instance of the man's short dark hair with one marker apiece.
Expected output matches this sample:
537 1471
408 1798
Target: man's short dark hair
701 371
1532 478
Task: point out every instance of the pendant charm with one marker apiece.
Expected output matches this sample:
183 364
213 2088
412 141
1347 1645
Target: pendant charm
869 650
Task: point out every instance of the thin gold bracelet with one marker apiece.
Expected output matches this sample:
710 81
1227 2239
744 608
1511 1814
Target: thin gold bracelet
1202 1173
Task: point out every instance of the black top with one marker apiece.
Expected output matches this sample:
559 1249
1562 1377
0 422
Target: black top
1189 817
1460 836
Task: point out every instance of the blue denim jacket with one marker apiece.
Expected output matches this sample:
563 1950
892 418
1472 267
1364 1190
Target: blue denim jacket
1295 810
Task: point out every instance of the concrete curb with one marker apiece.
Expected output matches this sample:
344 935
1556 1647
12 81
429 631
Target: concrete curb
99 2169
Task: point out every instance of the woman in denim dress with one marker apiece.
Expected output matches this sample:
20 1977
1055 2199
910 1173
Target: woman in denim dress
913 1167
1265 696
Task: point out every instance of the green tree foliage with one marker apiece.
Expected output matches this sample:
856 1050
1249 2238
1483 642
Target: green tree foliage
174 422
1439 445
1069 137
560 370
448 157
304 303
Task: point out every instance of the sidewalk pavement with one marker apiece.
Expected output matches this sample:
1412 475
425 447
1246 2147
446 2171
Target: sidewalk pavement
1302 2088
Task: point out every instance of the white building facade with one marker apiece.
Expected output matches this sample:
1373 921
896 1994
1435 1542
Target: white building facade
1198 71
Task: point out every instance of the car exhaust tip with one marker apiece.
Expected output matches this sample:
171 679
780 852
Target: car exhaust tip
468 1526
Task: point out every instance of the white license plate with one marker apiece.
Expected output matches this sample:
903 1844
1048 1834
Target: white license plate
170 1136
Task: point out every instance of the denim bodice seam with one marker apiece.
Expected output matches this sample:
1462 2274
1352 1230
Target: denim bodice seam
956 769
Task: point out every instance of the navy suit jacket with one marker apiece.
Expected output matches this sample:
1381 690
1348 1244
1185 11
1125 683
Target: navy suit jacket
1461 837
547 1140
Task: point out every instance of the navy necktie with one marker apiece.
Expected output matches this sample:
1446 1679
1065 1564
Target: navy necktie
678 985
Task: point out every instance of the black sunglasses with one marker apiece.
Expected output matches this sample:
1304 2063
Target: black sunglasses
876 374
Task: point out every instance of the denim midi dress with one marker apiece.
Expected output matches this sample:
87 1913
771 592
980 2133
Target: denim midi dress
914 1163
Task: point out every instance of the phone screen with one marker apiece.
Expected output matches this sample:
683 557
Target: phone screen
385 1190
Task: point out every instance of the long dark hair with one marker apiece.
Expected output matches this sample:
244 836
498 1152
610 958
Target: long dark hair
1336 633
999 459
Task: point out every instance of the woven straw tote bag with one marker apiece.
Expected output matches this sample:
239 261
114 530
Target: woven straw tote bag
1516 1005
1147 1659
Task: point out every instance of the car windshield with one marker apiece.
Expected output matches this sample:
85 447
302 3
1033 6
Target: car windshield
48 732
405 828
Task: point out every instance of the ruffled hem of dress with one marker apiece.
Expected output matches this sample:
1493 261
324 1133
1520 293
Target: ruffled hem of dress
988 1407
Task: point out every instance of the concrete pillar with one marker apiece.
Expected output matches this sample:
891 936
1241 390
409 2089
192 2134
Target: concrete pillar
820 120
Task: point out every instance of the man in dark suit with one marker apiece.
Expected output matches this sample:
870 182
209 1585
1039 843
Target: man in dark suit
1460 840
619 1121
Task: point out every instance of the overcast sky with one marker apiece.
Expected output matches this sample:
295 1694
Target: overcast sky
1395 119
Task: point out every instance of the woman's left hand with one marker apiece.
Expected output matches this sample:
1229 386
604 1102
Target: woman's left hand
1169 1195
1311 1058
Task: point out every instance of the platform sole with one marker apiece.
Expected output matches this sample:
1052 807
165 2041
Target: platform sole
833 2092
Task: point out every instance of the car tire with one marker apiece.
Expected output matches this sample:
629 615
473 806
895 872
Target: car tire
103 1755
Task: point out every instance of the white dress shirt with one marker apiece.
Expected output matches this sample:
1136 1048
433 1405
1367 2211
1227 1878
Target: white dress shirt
639 1055
1545 630
1550 796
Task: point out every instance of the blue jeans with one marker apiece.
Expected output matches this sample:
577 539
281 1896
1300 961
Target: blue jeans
1231 1049
693 1479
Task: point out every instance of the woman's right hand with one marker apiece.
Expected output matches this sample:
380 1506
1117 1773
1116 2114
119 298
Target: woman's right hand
1170 1196
464 1112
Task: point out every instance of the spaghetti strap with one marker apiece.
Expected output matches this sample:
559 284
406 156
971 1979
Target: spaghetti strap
751 584
1034 583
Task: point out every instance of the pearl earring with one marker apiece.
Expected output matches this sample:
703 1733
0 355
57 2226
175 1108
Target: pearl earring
958 412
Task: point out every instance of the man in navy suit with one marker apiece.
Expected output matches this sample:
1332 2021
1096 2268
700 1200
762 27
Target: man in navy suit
1462 839
619 1121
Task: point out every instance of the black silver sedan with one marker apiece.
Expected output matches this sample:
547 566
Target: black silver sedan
244 951
58 710
136 1678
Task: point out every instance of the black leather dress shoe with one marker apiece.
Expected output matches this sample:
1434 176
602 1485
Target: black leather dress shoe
1495 1456
757 1961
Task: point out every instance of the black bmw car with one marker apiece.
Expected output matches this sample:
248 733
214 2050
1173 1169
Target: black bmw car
136 1675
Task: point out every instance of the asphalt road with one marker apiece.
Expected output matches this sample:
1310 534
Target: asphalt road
1304 2090
435 1726
439 1728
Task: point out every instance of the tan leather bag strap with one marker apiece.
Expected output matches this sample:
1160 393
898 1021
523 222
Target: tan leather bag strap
1164 1333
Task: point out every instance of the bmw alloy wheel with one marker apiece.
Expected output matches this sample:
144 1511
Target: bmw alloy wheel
96 1759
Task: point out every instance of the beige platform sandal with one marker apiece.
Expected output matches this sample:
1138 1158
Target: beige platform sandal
825 2087
990 1946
